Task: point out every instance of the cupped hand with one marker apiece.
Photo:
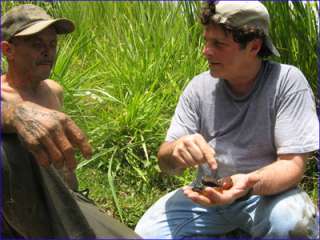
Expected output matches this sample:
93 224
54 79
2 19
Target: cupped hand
210 196
49 135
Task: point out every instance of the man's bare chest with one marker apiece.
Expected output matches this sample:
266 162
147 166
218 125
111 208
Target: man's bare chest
44 96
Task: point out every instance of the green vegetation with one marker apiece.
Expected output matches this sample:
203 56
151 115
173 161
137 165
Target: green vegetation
123 70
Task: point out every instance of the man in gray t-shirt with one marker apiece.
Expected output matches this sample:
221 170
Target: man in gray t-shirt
248 119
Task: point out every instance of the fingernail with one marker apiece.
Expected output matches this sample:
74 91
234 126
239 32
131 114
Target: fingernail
214 167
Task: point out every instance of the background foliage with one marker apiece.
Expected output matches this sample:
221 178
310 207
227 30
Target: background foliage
123 70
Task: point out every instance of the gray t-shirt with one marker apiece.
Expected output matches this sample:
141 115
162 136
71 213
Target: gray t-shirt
278 116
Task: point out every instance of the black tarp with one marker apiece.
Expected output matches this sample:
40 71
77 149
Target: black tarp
37 203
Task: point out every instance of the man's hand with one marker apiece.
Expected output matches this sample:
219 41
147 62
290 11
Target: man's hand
210 196
49 135
192 150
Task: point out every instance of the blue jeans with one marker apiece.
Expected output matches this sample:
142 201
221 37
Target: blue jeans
289 214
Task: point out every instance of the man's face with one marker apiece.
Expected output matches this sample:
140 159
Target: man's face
225 57
34 55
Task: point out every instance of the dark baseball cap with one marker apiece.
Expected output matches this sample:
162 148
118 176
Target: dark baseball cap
249 13
28 19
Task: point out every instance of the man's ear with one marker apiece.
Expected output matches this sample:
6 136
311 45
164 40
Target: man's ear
7 49
255 46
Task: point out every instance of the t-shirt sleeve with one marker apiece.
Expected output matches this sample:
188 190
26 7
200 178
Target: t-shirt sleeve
297 124
186 117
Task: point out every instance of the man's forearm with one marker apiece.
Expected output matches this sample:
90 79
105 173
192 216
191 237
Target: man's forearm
279 176
167 163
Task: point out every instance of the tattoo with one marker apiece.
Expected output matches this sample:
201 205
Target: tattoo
30 120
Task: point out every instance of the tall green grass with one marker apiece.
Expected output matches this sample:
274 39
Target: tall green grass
123 70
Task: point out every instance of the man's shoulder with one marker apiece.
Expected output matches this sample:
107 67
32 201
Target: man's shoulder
288 77
56 89
200 85
53 85
203 81
284 68
204 77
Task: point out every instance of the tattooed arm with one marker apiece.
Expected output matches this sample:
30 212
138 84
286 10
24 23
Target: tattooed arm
48 134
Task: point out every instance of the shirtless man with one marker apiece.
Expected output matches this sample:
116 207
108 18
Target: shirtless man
31 54
38 139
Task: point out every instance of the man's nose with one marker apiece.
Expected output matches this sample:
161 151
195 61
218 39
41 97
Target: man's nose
206 51
45 51
48 51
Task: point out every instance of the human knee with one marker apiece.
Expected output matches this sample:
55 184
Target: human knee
294 217
303 228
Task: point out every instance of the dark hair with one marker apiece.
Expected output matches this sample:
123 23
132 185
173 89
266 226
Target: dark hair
242 35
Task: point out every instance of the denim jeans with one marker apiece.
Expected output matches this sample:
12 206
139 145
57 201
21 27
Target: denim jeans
289 214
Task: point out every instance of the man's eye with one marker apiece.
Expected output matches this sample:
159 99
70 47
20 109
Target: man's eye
218 44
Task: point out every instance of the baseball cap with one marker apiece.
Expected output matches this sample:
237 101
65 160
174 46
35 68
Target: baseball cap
29 19
249 13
